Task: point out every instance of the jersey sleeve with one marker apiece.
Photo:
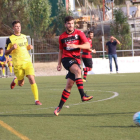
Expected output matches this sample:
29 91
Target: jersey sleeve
115 42
83 37
60 44
8 44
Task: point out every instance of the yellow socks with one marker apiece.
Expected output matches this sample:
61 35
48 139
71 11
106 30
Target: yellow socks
3 71
16 81
35 91
10 68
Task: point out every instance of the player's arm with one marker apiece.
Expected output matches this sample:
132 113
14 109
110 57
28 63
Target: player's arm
118 42
86 45
29 47
93 51
7 52
59 67
106 48
84 42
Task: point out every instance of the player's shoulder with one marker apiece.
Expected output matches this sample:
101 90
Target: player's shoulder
78 31
108 42
8 41
63 35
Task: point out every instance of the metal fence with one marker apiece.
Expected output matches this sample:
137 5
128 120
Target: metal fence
47 50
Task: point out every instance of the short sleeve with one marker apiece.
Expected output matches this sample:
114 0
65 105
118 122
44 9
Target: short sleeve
115 42
83 38
8 44
60 44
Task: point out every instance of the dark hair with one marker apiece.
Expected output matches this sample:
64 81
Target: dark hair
15 22
68 18
90 32
1 48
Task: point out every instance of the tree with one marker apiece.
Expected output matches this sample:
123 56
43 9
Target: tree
12 10
40 12
120 29
62 13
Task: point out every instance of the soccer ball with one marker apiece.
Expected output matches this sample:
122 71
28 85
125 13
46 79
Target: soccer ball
136 118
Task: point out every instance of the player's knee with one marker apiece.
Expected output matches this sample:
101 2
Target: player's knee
69 85
78 71
21 84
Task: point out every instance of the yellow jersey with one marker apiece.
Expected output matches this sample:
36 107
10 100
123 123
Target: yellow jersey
20 55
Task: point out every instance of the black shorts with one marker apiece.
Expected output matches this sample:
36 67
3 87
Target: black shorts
87 62
67 63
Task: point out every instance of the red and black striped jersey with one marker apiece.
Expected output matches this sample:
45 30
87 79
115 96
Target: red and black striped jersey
77 37
86 53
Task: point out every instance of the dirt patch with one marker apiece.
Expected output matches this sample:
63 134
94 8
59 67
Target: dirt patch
48 69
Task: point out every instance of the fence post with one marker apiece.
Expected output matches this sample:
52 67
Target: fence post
132 46
103 45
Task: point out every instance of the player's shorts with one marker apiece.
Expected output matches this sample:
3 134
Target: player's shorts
23 70
67 63
2 63
87 62
10 62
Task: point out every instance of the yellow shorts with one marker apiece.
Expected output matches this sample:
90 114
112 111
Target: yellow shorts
10 62
2 63
23 70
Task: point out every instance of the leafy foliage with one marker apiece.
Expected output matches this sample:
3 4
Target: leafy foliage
120 29
40 12
12 10
62 13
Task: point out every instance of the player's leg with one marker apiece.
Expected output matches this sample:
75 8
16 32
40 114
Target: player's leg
88 67
75 69
29 72
19 79
65 95
110 62
10 67
3 68
115 60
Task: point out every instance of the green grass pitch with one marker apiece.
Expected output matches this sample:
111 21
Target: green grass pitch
102 118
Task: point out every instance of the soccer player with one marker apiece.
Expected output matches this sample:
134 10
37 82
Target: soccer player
70 44
87 56
17 46
3 61
10 63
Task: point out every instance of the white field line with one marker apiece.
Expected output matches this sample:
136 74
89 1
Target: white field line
89 102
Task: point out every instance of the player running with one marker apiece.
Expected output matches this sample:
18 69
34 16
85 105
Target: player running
69 56
17 46
87 56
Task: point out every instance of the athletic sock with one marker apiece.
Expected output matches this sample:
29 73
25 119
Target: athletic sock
85 75
79 83
65 96
35 91
86 69
3 71
10 68
16 81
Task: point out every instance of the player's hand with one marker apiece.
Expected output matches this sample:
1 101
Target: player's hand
59 67
14 46
71 46
29 47
93 51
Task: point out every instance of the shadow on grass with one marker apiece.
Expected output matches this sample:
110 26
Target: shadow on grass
68 115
